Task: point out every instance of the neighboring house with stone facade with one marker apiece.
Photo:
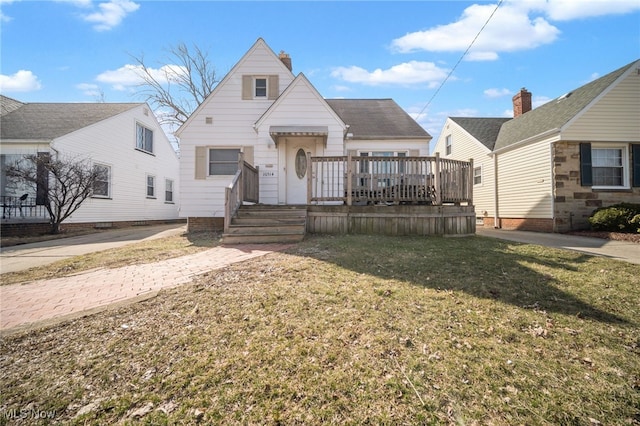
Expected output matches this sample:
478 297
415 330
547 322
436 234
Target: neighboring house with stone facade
549 168
124 140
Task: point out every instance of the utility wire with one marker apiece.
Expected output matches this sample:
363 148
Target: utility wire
461 58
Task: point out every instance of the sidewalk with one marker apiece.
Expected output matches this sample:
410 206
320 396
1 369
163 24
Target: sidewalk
48 301
620 250
25 256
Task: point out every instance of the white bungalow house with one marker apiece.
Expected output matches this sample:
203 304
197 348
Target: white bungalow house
279 121
548 168
125 140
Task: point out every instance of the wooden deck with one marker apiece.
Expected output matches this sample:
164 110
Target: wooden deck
373 195
365 180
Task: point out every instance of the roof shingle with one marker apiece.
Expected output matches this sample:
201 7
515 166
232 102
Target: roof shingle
377 119
47 121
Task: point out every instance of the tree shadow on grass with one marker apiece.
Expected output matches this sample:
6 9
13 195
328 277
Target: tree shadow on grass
517 274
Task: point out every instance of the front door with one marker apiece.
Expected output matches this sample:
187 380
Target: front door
297 173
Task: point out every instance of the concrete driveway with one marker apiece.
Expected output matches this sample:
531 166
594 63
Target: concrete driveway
21 257
621 250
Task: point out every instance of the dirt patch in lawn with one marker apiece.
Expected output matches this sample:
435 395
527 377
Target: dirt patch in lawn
617 236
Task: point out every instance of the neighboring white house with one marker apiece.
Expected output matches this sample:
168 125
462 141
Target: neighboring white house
549 168
262 109
125 140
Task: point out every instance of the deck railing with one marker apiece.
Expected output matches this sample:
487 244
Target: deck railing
397 180
22 207
243 187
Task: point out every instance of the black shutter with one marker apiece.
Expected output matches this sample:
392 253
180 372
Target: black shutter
635 169
586 175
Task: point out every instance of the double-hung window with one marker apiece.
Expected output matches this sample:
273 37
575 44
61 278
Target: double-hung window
223 161
477 175
608 165
448 145
260 87
168 191
144 138
151 186
102 182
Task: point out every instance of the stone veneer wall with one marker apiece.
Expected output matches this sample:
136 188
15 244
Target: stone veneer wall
573 203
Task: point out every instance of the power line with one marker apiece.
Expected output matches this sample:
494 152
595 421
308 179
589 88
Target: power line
461 58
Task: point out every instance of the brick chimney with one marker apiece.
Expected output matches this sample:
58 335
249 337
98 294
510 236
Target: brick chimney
286 59
521 102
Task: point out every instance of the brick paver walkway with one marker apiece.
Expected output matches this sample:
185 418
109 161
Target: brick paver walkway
23 304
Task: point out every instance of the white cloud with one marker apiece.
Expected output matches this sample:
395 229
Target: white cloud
90 89
3 17
22 81
111 14
566 10
408 73
131 75
510 29
497 93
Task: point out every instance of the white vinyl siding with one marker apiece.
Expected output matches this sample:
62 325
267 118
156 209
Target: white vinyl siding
525 188
112 142
467 148
614 118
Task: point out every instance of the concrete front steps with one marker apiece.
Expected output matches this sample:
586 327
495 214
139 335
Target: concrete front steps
267 224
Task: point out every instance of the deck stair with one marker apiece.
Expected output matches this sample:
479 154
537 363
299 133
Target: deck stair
267 224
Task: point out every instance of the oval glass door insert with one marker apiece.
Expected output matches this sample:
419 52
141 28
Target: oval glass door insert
301 163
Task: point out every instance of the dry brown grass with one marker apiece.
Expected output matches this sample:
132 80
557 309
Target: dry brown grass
353 330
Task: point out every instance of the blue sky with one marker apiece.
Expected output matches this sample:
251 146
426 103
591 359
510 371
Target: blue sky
74 50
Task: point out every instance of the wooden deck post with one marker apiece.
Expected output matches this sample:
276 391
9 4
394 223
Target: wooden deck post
471 182
349 179
241 169
309 178
437 180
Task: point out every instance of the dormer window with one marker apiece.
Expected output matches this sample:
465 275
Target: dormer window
260 87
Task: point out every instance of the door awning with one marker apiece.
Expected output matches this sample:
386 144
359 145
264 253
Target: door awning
278 132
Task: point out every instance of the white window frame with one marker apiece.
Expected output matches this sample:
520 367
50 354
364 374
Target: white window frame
108 194
477 176
624 149
152 187
168 191
447 145
255 87
210 161
142 144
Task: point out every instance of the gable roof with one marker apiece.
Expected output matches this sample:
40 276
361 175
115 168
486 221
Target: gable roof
300 79
484 130
8 104
377 119
558 112
259 44
47 121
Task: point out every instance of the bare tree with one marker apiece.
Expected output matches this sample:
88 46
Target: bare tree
179 87
60 184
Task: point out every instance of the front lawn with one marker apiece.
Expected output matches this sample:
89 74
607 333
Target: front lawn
352 330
